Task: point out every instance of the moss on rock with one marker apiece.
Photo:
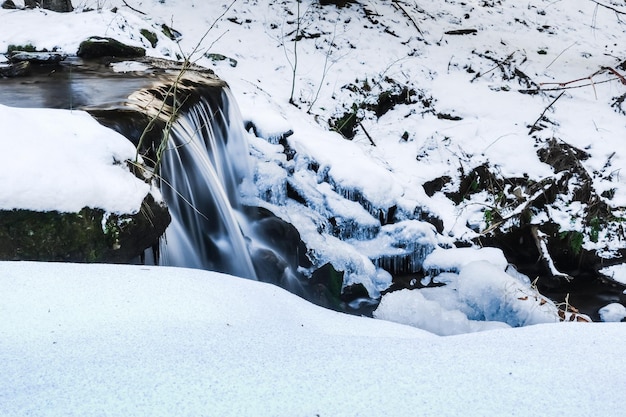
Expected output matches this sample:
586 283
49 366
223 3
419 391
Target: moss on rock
97 47
150 37
91 235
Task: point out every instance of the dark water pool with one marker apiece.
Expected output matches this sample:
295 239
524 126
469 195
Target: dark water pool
73 84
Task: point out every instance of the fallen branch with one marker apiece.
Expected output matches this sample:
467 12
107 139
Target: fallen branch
542 246
534 128
367 134
617 74
519 209
132 8
609 7
590 77
462 32
538 90
399 6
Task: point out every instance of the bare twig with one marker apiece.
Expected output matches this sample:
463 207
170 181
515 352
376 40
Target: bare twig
542 246
325 70
533 128
172 92
132 8
294 67
399 6
559 55
499 64
609 7
206 33
367 134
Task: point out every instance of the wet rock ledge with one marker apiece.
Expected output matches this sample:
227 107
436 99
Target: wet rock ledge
91 235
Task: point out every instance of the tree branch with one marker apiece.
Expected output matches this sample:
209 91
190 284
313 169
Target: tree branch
132 8
398 5
533 128
609 7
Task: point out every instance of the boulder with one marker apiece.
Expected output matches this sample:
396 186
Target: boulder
98 47
8 4
37 57
90 235
61 6
15 70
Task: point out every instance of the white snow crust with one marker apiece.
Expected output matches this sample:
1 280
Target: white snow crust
136 340
65 160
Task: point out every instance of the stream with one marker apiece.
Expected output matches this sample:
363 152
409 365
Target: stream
205 176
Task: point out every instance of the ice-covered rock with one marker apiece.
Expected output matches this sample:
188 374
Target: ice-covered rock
613 312
481 296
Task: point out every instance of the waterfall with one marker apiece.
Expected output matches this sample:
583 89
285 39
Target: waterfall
203 161
199 182
189 131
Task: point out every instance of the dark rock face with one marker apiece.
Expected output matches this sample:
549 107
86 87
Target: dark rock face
61 6
15 70
338 3
98 47
8 4
86 236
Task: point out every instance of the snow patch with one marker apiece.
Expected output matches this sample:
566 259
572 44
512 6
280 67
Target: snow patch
613 312
65 160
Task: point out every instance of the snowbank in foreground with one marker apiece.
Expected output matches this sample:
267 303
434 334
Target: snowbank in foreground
136 340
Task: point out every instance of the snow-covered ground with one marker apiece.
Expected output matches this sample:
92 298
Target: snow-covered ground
104 340
96 340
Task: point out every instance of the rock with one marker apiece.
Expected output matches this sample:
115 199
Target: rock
61 6
171 33
87 236
338 3
15 70
37 57
219 57
150 37
614 312
98 47
279 235
8 4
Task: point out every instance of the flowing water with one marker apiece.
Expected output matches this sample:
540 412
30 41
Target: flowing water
200 180
201 167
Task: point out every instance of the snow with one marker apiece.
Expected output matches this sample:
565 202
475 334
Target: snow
160 341
452 260
129 340
613 312
65 160
615 272
479 296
